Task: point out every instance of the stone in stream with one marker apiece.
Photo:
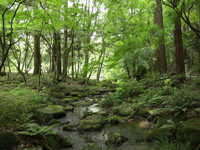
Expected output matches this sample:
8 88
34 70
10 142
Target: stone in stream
189 131
115 139
165 130
124 110
53 122
56 142
90 123
69 99
68 108
91 146
68 127
8 140
53 110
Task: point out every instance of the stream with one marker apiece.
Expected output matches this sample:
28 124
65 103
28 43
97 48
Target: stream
132 131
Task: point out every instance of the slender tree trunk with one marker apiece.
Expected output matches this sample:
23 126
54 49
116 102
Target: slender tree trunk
157 53
65 57
180 67
72 56
163 63
58 43
37 56
53 53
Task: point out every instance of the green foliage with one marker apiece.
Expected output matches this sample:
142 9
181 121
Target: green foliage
33 129
166 144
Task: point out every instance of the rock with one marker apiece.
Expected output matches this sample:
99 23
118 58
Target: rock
139 140
68 127
189 131
69 99
165 130
34 148
53 110
144 113
8 140
90 123
58 94
103 113
115 138
189 113
68 108
124 110
91 147
53 122
56 141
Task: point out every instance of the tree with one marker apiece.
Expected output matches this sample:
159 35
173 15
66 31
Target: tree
180 66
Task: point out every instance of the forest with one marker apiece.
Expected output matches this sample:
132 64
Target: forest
99 74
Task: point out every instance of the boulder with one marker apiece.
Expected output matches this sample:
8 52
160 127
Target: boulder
165 130
90 123
53 122
68 127
8 140
56 141
91 146
144 113
115 138
69 99
68 108
124 110
189 131
53 110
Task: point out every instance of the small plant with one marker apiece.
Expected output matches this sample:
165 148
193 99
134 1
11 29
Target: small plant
166 144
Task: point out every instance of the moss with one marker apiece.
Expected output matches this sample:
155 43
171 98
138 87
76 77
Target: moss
91 147
68 127
53 110
115 138
93 122
56 141
54 121
8 140
144 113
68 108
189 131
165 131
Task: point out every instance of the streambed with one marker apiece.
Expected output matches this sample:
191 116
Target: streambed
133 131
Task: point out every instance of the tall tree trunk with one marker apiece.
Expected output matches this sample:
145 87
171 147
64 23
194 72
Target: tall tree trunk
37 56
58 43
180 67
157 53
65 57
72 57
163 63
53 53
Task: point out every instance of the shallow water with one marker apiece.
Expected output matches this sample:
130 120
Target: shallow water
132 131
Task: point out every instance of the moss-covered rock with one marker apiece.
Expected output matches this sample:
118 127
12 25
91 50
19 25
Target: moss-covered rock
34 148
90 123
68 108
144 113
58 94
68 127
124 110
53 122
56 141
91 146
189 131
115 138
53 110
164 131
103 113
189 113
69 99
8 140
